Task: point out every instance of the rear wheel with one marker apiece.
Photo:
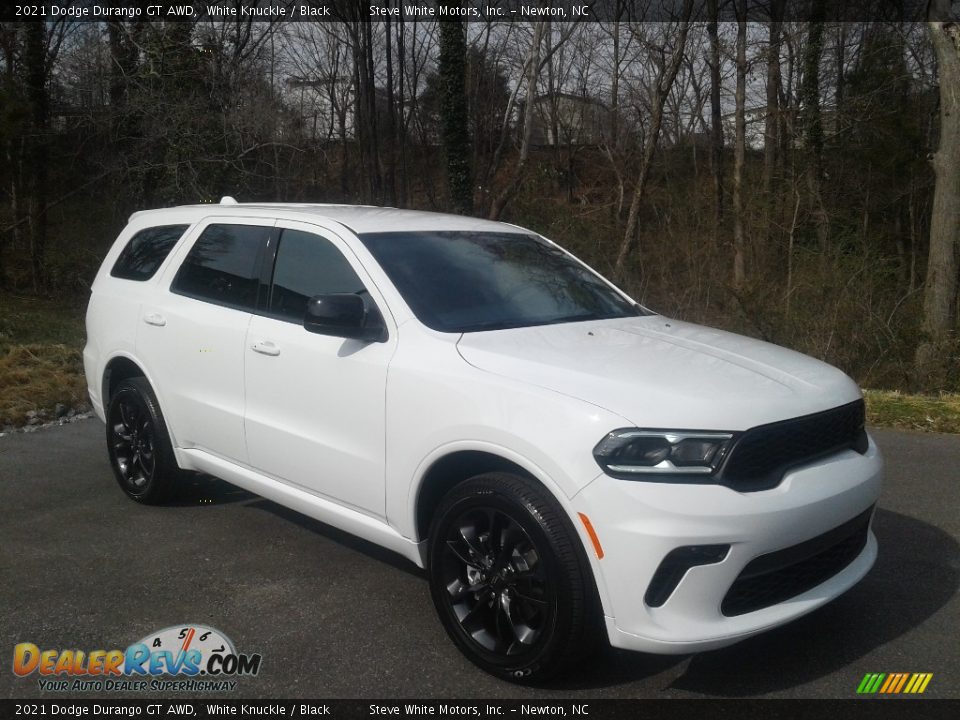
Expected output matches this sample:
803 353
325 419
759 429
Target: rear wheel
509 578
138 443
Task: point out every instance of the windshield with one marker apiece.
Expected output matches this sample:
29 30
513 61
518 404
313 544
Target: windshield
471 281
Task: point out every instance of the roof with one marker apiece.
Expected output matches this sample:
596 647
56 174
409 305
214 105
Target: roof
358 218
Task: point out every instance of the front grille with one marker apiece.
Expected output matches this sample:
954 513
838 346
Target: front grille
781 575
761 455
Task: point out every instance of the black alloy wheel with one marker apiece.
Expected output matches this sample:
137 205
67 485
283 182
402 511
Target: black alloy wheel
496 581
138 443
509 578
133 444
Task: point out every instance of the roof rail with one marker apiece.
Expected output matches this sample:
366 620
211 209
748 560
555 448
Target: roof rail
227 200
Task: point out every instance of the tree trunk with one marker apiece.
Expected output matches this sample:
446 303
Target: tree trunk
771 142
716 120
373 124
35 62
813 123
454 114
740 148
533 66
940 293
841 57
401 104
360 122
16 173
615 82
662 89
391 130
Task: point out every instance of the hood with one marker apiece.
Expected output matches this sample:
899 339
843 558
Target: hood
663 373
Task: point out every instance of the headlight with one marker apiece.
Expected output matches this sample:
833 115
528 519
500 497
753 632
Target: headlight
639 454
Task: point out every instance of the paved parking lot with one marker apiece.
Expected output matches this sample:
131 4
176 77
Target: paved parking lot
83 567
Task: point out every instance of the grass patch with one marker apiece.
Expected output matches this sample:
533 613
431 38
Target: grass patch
41 344
913 412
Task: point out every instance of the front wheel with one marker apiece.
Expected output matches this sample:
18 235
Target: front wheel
138 443
509 578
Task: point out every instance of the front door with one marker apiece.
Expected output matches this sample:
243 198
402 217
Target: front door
315 404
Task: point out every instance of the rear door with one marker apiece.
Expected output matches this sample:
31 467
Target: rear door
315 403
192 335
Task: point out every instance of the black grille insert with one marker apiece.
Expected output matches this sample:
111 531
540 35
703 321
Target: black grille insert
761 455
781 575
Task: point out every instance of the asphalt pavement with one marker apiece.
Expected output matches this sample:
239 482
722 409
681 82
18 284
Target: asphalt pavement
83 567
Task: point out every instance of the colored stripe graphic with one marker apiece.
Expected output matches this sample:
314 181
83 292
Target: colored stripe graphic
894 683
921 682
870 683
903 680
891 680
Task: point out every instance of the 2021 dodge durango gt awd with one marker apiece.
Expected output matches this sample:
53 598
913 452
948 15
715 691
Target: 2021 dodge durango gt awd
564 463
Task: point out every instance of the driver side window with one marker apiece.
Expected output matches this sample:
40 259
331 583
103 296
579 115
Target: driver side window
307 265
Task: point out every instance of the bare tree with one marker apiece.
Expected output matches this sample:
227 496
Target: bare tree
614 145
813 121
666 74
716 118
532 71
771 141
740 147
41 45
452 70
940 295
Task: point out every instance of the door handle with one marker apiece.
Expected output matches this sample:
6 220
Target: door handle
155 319
265 347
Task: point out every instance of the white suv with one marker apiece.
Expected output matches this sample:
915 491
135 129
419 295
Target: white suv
564 463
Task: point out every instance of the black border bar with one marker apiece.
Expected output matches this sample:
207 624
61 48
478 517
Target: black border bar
859 709
471 10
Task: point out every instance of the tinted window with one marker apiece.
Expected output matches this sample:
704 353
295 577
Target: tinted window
469 281
307 265
146 251
223 266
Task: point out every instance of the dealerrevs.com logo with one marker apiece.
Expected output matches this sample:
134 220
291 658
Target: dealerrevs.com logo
200 657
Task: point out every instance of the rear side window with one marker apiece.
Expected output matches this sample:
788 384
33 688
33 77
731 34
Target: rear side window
146 251
223 266
308 265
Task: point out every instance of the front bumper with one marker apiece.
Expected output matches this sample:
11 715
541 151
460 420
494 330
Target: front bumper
639 523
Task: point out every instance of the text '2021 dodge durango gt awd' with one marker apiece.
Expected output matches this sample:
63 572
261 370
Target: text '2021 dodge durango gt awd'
564 463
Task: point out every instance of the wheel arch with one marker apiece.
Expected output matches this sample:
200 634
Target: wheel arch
448 467
451 469
118 369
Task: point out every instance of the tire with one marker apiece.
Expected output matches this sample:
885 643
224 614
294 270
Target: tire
138 444
510 580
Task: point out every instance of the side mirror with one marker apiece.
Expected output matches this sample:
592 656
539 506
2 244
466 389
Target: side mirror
344 315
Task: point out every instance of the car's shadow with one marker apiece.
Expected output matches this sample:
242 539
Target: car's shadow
916 574
353 542
202 489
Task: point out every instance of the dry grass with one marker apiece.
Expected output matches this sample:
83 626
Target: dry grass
39 376
40 356
914 412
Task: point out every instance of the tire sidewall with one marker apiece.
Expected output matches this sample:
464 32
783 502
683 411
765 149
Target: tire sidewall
157 486
482 492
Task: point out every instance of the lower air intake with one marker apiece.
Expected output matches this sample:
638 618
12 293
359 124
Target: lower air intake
781 575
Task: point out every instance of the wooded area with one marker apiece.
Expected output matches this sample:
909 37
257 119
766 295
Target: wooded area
797 181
